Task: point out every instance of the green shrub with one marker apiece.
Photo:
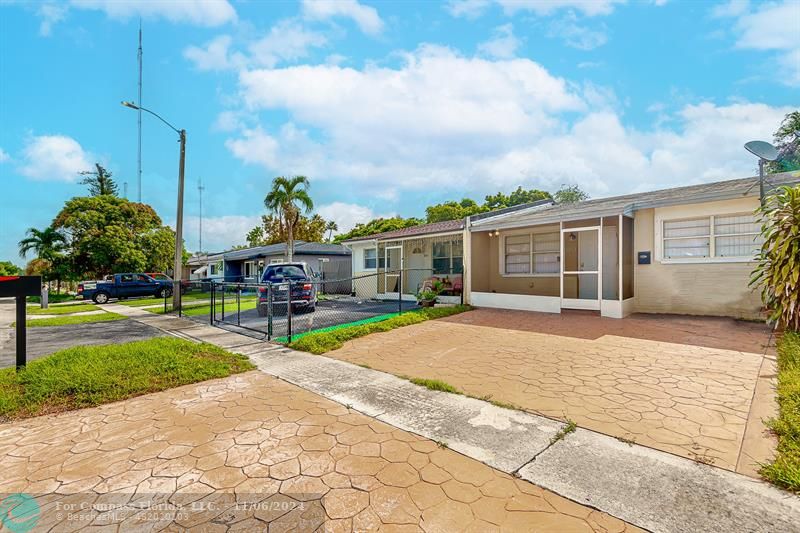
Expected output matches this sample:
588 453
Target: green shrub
325 341
784 471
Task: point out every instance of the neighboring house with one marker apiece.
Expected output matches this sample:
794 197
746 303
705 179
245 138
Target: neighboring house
332 261
202 266
400 261
687 250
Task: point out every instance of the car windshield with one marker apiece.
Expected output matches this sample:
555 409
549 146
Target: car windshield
282 272
162 277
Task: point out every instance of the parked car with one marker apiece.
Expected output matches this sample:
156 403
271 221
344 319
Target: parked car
160 276
128 285
280 275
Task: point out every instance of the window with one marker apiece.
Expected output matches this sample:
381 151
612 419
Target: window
539 251
447 257
370 258
250 269
717 236
126 278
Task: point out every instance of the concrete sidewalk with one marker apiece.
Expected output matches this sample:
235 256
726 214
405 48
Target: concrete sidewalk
645 487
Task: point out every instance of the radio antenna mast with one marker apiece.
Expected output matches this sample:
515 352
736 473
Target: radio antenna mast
139 103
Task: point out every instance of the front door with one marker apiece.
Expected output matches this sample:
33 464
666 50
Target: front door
393 259
580 268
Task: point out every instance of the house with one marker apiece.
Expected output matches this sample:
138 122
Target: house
396 264
687 250
203 265
332 261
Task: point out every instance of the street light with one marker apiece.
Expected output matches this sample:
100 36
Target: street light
178 271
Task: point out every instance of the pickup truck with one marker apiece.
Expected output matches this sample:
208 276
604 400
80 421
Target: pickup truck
120 286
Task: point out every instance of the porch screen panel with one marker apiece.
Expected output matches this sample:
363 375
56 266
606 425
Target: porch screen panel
736 236
546 253
687 238
441 257
457 249
518 254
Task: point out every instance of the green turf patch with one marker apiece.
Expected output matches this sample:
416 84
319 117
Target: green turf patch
370 320
69 320
204 309
64 309
784 471
84 376
325 341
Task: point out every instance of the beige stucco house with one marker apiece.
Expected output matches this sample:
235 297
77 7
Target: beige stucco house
686 250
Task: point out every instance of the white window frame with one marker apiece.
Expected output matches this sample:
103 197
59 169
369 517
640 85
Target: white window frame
364 259
532 253
712 240
449 256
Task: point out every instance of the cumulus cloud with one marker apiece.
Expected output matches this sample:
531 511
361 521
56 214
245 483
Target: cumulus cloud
577 35
286 41
502 45
197 12
365 17
769 27
53 158
347 215
474 8
50 14
219 232
474 124
4 156
214 55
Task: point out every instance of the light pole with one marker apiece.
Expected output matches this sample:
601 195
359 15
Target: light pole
178 270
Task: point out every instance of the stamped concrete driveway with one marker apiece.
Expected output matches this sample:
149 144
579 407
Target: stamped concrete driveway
696 387
251 453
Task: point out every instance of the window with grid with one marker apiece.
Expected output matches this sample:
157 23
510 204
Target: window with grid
441 258
711 237
370 258
457 259
518 254
546 253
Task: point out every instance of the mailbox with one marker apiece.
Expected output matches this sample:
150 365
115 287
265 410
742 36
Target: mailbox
20 287
644 258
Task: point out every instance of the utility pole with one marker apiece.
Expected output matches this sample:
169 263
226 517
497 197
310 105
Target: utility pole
178 274
139 103
200 190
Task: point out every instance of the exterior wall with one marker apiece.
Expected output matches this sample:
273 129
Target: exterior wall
365 284
698 288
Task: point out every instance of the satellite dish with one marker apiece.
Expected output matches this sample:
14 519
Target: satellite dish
762 149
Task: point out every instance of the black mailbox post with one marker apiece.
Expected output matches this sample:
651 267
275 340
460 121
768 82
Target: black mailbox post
20 287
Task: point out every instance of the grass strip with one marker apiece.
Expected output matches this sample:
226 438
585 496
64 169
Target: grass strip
85 376
204 309
64 309
53 297
139 302
369 320
70 320
325 341
784 470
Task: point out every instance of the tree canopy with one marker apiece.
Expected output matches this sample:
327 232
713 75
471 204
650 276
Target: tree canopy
287 198
270 231
788 145
378 225
7 268
99 181
569 194
107 234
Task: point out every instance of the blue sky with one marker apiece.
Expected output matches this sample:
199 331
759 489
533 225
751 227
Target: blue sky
386 106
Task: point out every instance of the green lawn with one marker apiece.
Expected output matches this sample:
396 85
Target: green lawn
53 297
319 342
63 309
138 302
69 320
84 376
204 309
784 471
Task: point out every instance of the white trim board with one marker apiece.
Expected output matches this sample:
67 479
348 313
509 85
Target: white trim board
521 302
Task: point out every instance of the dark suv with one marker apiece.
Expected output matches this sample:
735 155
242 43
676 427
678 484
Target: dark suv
280 276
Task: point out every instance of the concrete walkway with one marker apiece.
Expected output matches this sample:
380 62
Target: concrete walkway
645 487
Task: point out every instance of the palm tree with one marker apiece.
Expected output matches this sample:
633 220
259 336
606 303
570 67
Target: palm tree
330 227
47 244
286 199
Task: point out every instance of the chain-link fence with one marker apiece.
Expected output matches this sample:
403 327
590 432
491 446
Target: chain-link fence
283 311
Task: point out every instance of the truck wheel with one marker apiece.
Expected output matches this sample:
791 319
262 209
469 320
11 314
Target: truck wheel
164 293
100 298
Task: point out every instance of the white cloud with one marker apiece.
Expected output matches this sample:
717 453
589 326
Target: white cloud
576 35
770 27
219 232
198 12
347 215
4 156
50 14
474 8
286 41
473 124
365 17
53 158
502 45
214 55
